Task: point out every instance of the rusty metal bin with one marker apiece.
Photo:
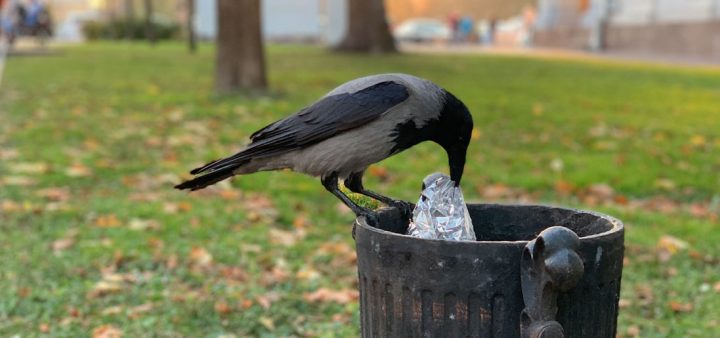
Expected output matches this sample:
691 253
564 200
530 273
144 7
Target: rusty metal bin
526 276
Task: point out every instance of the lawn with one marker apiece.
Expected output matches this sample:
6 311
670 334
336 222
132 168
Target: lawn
95 240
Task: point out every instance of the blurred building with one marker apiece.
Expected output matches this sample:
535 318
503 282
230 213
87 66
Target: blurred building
401 10
671 27
285 20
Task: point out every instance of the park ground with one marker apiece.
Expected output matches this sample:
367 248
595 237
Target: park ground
94 240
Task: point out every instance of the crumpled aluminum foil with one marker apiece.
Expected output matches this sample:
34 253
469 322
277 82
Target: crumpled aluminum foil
441 212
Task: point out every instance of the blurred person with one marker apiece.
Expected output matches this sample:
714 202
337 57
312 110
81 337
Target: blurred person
529 15
465 29
491 30
33 11
10 18
453 21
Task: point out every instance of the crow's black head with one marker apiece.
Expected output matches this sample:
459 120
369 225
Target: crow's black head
454 130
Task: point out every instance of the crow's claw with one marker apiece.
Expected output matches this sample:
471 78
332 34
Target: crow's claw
371 218
406 208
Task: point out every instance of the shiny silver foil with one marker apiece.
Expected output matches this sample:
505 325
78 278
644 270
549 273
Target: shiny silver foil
441 212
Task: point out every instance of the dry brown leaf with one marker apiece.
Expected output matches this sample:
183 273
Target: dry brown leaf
324 295
564 187
633 331
44 328
698 140
680 307
106 331
286 238
55 194
222 308
63 244
665 184
716 287
112 310
29 168
667 246
22 181
379 172
267 322
135 311
103 288
307 273
107 221
645 294
143 224
200 256
78 170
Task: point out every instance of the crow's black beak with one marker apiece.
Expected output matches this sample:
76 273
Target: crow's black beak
456 159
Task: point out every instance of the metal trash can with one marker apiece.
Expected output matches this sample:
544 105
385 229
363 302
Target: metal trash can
526 276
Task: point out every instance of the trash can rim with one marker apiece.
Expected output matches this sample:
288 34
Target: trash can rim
617 225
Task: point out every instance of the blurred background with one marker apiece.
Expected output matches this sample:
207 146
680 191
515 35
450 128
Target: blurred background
609 105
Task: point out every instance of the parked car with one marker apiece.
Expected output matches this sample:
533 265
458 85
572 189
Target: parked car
422 30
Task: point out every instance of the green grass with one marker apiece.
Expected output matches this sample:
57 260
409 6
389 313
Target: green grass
115 125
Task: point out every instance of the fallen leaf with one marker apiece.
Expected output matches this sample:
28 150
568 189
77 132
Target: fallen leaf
379 172
564 187
716 287
63 244
200 256
633 331
55 194
267 322
107 221
44 328
103 288
106 331
285 238
645 294
22 181
135 311
307 274
698 140
78 170
476 134
324 295
143 224
680 307
222 308
667 246
557 165
29 168
665 184
112 310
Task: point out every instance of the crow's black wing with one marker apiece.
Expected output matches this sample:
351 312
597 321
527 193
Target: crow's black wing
326 118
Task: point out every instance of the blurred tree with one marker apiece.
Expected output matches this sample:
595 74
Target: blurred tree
192 43
149 27
129 17
368 29
240 60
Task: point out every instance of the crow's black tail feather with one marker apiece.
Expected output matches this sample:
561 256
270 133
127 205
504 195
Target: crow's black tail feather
206 180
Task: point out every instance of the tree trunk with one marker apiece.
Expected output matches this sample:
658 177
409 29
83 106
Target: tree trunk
192 43
368 29
149 25
129 19
240 57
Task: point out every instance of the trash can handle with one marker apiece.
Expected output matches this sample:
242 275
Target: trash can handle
549 265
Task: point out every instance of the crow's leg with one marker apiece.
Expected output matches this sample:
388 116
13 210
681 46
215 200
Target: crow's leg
354 183
330 183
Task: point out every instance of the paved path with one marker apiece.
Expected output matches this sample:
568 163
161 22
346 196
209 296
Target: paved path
561 54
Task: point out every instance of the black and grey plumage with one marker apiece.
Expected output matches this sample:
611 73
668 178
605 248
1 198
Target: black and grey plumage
355 125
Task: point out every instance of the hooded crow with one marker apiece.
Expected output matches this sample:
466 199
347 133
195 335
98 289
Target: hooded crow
359 123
